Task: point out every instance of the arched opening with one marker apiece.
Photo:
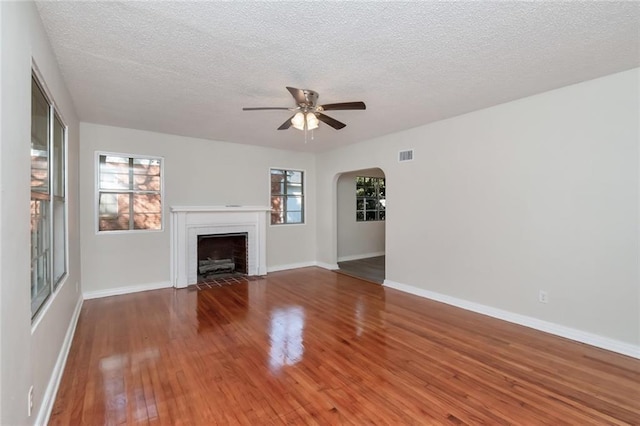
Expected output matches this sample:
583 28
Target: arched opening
361 214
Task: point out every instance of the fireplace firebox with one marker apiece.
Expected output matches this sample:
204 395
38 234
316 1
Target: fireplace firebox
222 254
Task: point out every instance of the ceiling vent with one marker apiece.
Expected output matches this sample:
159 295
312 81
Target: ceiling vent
405 155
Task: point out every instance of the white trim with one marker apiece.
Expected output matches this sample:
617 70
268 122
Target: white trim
329 266
360 256
291 266
126 290
537 324
56 375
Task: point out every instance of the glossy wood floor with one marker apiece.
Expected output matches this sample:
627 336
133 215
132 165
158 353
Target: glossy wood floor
310 346
370 269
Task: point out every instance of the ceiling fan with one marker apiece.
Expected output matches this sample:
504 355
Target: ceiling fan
307 114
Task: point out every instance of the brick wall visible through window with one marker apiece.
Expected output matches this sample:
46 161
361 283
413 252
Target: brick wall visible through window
287 196
48 197
129 192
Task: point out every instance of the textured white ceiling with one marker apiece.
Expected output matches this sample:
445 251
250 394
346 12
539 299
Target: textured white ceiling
188 68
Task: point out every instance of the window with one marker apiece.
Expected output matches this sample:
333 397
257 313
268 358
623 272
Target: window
129 192
370 198
48 198
287 196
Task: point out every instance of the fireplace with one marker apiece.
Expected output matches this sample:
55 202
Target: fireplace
222 255
189 224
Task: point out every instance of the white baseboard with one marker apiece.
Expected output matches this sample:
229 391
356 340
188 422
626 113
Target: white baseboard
329 266
360 256
50 393
290 266
277 268
548 327
125 290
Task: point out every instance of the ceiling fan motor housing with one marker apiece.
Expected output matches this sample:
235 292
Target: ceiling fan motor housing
311 97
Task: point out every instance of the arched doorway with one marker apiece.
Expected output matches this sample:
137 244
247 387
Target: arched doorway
361 213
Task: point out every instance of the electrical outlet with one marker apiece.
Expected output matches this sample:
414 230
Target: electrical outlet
30 401
543 297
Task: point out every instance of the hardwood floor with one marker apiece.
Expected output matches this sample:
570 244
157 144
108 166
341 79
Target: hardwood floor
370 268
311 346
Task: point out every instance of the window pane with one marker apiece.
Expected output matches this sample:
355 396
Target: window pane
382 215
59 241
146 174
294 188
294 217
114 172
40 171
370 215
147 221
147 210
40 288
294 176
277 182
39 140
370 191
294 203
120 223
371 204
146 183
277 203
39 118
277 217
114 212
58 158
360 216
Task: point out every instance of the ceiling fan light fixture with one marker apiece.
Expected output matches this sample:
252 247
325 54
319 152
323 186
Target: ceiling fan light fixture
298 121
312 121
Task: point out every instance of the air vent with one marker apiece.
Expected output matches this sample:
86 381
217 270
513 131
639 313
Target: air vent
405 155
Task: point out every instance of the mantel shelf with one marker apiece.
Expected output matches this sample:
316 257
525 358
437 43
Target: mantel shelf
227 208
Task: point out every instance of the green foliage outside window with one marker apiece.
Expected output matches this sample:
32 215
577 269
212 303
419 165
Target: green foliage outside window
370 198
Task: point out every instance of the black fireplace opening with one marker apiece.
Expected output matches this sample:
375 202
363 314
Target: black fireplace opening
222 255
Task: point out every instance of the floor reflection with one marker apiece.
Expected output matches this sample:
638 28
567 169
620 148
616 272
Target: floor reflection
286 327
116 402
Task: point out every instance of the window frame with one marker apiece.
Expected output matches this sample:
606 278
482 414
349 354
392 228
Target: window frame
377 199
303 203
98 191
47 201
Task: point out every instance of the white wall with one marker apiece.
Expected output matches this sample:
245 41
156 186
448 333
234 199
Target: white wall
197 172
30 354
539 193
356 240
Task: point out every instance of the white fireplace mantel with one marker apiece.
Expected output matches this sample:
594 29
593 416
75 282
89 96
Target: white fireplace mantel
188 222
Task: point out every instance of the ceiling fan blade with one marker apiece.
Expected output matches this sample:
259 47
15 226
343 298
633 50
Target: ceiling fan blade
286 124
330 121
344 106
261 108
298 95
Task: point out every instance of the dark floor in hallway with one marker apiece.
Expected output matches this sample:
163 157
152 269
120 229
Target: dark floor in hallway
370 269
